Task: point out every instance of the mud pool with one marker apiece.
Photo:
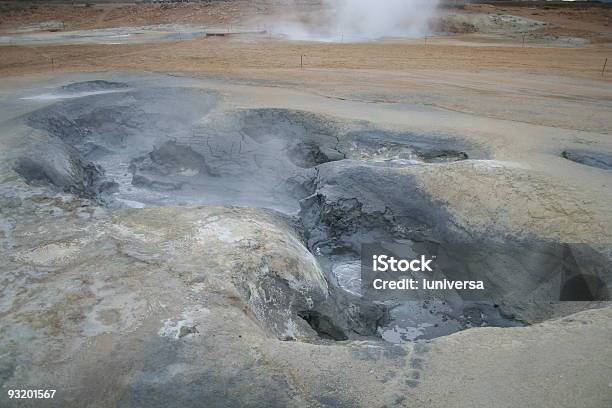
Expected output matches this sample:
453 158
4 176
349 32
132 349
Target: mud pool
342 183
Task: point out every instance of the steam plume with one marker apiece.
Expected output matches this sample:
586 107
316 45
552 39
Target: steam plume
364 20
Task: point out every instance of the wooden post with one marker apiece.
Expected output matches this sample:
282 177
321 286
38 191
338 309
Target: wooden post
604 68
52 67
524 39
301 62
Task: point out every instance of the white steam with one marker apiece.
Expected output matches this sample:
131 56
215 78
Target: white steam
354 20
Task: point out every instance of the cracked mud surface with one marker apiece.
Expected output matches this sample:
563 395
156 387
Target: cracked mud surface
211 244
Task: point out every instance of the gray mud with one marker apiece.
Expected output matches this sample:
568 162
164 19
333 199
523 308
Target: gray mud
360 202
95 85
343 183
598 160
259 301
61 167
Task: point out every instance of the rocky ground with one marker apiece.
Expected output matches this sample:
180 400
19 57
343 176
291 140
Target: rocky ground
189 236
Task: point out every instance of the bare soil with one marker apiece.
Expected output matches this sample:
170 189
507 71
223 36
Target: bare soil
243 55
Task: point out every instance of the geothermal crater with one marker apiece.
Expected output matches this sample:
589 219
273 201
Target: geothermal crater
343 183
